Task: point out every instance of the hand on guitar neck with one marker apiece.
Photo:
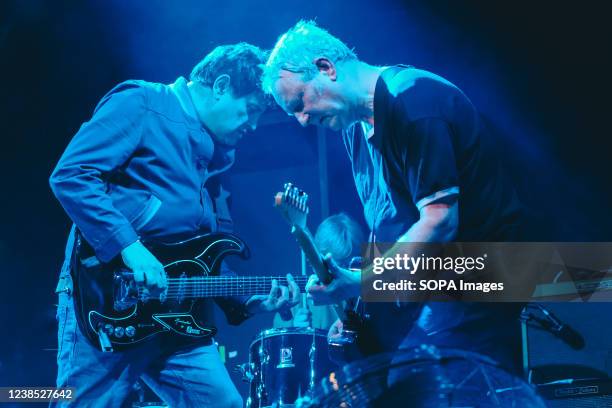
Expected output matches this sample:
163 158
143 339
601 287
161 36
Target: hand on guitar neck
280 299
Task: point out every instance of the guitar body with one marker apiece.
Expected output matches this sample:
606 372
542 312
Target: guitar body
372 329
369 329
110 311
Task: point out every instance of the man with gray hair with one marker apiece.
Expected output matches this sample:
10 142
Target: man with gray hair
425 171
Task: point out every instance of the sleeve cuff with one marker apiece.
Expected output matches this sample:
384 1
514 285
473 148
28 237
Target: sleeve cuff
120 239
447 192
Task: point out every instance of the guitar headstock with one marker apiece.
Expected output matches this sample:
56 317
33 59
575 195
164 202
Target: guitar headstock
292 203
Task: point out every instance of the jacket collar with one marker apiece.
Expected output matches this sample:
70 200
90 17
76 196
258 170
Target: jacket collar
223 157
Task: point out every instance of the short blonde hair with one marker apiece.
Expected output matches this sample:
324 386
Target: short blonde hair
296 50
341 236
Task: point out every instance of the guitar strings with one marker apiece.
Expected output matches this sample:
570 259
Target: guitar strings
213 286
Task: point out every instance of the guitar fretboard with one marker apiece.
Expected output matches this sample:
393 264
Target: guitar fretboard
216 286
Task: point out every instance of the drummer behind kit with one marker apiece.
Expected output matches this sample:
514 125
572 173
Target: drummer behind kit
359 336
292 203
286 365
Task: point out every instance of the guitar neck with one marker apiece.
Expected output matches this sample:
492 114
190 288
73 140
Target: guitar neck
218 286
306 242
314 257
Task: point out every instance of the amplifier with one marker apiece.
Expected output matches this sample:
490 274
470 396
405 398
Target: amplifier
578 394
568 347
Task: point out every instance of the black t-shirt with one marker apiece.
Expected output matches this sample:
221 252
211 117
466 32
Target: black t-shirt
429 144
433 144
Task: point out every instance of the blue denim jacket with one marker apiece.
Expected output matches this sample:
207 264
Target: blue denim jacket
137 169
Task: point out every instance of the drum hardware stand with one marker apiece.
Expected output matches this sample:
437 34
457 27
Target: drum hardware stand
311 356
313 347
245 371
264 358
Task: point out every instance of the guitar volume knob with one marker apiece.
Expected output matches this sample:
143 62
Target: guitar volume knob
130 331
108 329
119 331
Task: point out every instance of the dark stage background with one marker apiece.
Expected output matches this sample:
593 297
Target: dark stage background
538 71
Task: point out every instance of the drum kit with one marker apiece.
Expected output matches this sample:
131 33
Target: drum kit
290 368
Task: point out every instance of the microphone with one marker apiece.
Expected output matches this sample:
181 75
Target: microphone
563 331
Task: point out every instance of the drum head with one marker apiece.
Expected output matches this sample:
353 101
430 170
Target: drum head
286 331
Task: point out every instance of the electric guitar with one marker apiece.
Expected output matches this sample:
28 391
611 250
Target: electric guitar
356 340
114 313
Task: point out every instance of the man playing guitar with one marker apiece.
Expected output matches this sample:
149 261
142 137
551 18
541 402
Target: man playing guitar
137 170
425 171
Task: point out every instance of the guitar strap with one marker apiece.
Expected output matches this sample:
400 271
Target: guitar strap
64 284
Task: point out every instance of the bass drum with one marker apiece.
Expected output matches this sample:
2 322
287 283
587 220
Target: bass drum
286 364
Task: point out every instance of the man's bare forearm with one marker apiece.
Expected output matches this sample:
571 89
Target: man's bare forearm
438 223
